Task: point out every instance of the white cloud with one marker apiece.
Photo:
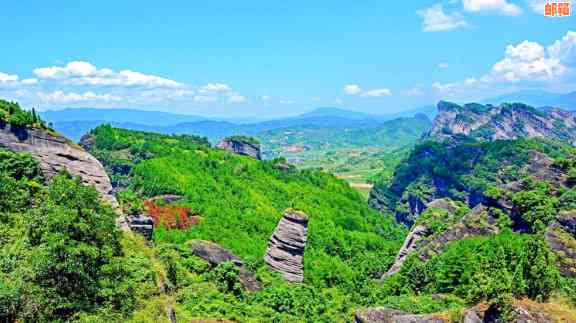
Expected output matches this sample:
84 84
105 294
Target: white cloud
564 49
30 81
236 98
8 78
435 19
443 65
265 98
352 89
85 73
524 63
527 61
537 5
72 97
286 102
214 88
498 6
377 93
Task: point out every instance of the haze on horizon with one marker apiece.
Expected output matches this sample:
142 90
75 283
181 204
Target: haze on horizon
265 59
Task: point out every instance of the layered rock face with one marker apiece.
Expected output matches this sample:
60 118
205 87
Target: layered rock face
507 121
285 251
215 255
55 153
241 146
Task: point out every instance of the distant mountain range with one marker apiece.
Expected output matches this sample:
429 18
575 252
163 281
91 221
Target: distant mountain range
76 122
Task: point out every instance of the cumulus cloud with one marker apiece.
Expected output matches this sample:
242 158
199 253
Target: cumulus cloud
85 73
30 81
498 6
526 61
355 89
8 78
72 97
435 19
443 66
215 88
236 98
537 5
352 89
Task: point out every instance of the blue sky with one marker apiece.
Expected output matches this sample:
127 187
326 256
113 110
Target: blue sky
271 58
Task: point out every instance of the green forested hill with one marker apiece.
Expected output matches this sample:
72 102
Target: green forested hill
239 201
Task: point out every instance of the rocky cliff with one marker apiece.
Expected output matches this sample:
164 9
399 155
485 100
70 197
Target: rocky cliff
56 153
507 121
241 145
285 251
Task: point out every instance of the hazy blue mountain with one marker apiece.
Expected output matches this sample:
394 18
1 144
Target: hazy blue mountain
76 122
336 112
156 118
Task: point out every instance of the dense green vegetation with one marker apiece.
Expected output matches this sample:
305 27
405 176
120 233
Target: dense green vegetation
244 138
12 113
435 169
62 257
354 153
492 269
240 201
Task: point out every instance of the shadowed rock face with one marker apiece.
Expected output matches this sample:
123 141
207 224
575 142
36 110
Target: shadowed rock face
215 255
285 251
55 153
240 147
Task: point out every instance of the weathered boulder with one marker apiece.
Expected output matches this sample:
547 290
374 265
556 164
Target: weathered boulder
387 315
141 224
285 253
241 145
215 255
56 153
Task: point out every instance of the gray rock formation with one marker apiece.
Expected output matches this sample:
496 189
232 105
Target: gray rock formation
215 255
387 315
141 224
425 244
241 145
507 121
285 253
56 153
478 222
561 238
410 245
